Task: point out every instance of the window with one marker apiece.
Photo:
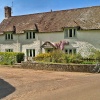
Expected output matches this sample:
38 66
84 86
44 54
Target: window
30 35
70 33
30 52
8 50
49 50
70 51
9 36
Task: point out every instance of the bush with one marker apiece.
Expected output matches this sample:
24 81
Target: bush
43 57
19 57
9 58
58 56
95 55
76 58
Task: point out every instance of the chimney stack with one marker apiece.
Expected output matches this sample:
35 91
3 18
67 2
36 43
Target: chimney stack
7 12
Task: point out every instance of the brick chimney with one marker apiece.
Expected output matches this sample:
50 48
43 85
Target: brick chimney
7 12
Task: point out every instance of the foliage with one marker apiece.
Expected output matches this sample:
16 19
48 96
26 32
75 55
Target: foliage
57 56
9 58
75 58
95 55
42 56
19 57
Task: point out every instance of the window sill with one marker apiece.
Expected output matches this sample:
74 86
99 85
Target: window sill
31 39
9 40
70 37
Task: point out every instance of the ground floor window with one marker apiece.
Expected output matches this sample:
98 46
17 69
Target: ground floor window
48 50
70 51
30 52
8 50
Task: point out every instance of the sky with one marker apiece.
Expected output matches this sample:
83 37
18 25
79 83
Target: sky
22 7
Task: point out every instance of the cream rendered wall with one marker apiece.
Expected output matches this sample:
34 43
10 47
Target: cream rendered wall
9 44
91 36
53 37
83 40
87 40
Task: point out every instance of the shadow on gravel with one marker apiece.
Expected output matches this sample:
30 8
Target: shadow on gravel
5 89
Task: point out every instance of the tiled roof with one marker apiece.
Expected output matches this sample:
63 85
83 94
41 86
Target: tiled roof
85 18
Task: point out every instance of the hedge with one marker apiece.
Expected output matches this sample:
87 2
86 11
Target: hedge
9 58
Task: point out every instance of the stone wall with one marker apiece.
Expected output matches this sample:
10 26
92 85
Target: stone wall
58 67
14 46
84 48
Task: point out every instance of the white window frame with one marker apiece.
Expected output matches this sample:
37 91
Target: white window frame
70 33
30 35
8 50
30 52
8 36
70 50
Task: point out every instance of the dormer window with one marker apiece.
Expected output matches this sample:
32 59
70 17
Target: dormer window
30 35
8 36
70 33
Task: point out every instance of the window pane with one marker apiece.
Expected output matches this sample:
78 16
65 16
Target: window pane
6 36
11 36
66 51
30 52
27 35
74 51
33 53
70 32
30 35
70 51
11 50
74 32
33 35
66 34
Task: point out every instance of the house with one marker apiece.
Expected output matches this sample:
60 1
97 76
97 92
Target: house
35 33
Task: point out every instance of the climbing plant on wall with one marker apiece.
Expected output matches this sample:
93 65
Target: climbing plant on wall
60 45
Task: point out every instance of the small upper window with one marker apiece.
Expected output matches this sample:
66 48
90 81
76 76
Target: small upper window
30 35
8 36
70 33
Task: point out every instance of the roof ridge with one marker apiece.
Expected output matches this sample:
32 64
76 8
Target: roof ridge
55 11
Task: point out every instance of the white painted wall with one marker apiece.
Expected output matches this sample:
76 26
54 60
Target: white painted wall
35 45
53 37
84 39
91 36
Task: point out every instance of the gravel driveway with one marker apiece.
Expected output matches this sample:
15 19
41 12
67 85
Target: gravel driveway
28 84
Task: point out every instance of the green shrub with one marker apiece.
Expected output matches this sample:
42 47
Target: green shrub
58 56
19 57
95 55
9 58
75 58
43 57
